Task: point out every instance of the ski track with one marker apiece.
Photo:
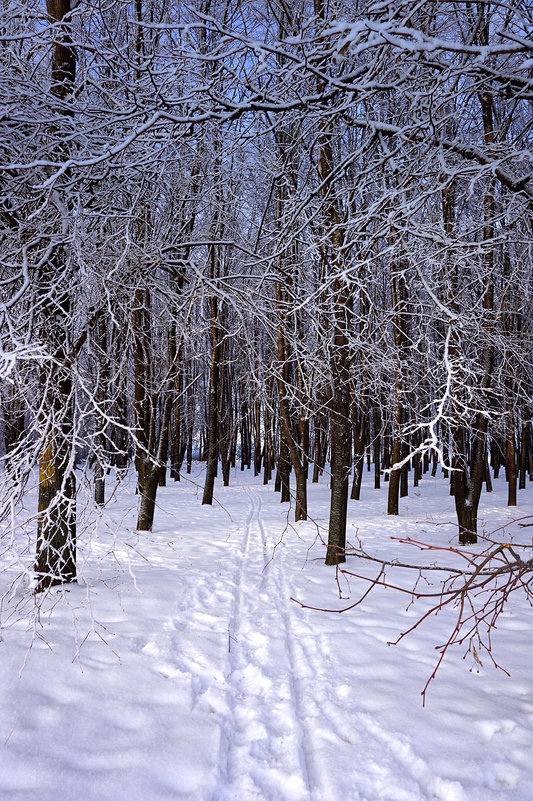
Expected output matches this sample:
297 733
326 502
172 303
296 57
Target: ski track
314 779
286 726
285 711
263 744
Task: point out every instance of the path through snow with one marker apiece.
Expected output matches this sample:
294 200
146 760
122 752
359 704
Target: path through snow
202 681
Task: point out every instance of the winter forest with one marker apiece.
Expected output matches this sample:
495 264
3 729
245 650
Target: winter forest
266 337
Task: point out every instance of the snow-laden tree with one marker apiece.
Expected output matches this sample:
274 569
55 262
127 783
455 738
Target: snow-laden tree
306 226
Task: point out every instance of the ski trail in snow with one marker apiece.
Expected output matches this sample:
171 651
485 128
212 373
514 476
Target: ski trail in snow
286 724
266 751
225 757
315 774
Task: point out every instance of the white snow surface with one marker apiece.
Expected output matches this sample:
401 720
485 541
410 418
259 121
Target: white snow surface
179 668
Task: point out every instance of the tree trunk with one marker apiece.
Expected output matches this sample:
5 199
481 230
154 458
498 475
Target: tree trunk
341 459
55 562
56 529
102 392
213 402
376 418
257 438
399 327
465 511
511 467
524 447
148 490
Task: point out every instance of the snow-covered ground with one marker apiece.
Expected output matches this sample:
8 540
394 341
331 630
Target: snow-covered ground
179 669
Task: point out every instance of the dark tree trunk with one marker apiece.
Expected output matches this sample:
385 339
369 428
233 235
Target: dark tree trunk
524 447
341 459
151 468
177 432
404 471
212 437
387 452
316 454
297 450
340 427
55 562
147 491
355 494
394 479
399 326
321 440
376 417
99 483
267 447
488 480
466 513
102 392
257 438
226 426
283 473
141 369
511 467
166 414
358 428
213 401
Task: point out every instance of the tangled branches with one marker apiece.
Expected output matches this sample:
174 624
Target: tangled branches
477 588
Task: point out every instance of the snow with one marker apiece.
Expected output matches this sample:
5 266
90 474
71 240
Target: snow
179 667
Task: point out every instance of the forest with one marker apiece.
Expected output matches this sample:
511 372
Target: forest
266 352
281 233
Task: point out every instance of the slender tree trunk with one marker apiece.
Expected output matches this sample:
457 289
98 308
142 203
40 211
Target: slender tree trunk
399 297
341 459
215 368
212 435
387 451
394 477
488 479
404 471
376 418
257 438
511 467
101 394
359 450
524 447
